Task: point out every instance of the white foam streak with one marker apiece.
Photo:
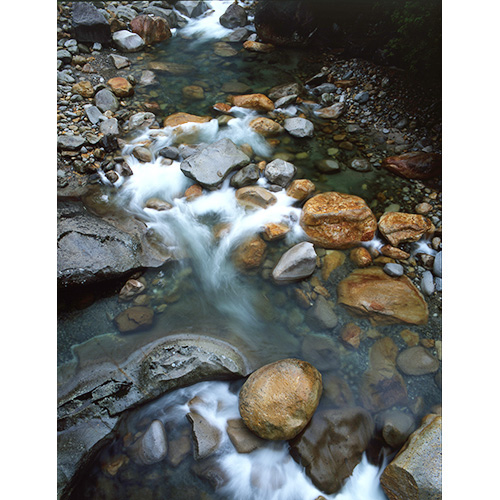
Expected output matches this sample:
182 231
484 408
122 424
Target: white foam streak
207 27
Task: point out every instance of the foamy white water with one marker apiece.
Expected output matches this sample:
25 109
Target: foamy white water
207 26
268 473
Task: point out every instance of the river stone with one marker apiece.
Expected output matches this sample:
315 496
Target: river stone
250 254
280 172
120 62
322 316
262 48
300 189
398 227
265 126
113 377
152 446
414 165
70 142
297 263
338 220
141 120
299 127
64 56
121 87
253 197
285 101
360 165
242 438
328 166
394 270
110 127
330 112
214 163
416 472
382 299
206 437
237 35
84 88
332 445
63 77
257 102
105 100
285 90
192 8
131 289
142 154
437 267
246 176
427 283
361 257
362 97
134 318
324 88
417 361
93 113
151 29
331 261
234 17
127 41
396 427
89 24
394 252
277 401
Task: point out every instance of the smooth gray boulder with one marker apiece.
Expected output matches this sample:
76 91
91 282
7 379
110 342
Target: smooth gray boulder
299 127
152 446
295 264
322 316
393 269
214 163
246 176
89 24
110 127
128 41
105 100
234 17
280 172
417 360
70 142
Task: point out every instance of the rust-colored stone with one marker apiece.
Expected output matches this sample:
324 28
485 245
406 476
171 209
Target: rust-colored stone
181 118
398 227
381 298
414 165
278 400
121 87
351 334
193 192
265 126
300 189
275 231
258 102
223 107
338 220
394 252
250 254
84 88
331 261
150 29
361 257
255 197
258 46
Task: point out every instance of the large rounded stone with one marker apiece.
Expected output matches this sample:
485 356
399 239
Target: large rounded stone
265 126
121 87
299 127
152 446
399 227
416 471
338 220
297 263
332 445
134 318
417 361
234 17
383 299
414 165
278 400
280 172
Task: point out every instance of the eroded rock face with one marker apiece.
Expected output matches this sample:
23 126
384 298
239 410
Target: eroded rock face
278 400
414 165
416 471
381 298
337 220
399 227
332 445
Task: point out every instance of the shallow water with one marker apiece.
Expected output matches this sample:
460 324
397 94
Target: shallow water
202 291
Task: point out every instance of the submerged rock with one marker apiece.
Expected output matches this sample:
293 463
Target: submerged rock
338 220
206 437
152 446
297 263
416 471
414 165
242 438
278 400
214 163
396 426
332 445
381 298
134 318
253 46
417 361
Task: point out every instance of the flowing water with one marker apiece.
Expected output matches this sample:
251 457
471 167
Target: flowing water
201 289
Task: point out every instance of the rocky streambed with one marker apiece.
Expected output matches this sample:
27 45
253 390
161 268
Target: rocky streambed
224 203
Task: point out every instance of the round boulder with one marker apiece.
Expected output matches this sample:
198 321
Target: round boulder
278 400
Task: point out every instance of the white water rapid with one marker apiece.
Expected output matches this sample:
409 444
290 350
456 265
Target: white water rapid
268 473
207 26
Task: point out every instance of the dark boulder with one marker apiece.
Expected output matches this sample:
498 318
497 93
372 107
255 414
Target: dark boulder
415 165
234 17
90 25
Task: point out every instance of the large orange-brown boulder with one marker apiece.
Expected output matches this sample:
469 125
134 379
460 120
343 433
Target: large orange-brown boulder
416 472
121 87
278 400
338 220
150 29
181 118
414 165
398 227
265 126
258 102
383 299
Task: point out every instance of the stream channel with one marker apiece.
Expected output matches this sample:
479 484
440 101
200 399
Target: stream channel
202 291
